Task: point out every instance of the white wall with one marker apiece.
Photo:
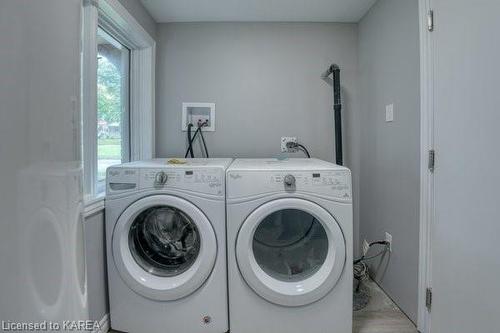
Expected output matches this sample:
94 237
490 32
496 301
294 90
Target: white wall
389 153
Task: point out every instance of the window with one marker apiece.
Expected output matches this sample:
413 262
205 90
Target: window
113 73
118 58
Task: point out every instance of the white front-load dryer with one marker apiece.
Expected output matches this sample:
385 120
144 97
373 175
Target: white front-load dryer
289 233
166 250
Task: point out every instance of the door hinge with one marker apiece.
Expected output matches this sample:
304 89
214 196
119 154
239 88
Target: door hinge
428 298
432 160
430 20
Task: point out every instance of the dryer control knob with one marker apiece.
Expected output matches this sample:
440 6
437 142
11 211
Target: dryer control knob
289 181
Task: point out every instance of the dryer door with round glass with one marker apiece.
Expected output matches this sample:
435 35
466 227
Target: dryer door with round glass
164 247
291 251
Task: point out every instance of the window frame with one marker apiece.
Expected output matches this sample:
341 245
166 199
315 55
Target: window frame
113 18
100 183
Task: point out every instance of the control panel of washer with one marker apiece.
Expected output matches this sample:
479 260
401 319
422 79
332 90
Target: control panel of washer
207 181
204 180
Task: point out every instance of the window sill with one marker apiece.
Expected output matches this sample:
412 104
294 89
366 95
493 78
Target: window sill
93 205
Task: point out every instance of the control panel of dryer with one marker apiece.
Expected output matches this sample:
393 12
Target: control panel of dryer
336 184
206 181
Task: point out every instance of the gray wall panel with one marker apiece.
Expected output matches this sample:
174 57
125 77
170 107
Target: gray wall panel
264 78
389 152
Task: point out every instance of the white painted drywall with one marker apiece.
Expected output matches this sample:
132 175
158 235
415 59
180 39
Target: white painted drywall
389 154
465 254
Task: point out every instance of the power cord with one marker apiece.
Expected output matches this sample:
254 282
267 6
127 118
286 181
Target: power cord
304 149
295 145
363 257
360 267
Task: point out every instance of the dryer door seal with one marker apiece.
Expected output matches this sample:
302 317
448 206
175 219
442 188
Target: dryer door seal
291 251
164 247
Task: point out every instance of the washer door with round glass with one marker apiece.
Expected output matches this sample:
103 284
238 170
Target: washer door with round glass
291 251
164 247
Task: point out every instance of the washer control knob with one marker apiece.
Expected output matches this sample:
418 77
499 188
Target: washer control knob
161 178
289 181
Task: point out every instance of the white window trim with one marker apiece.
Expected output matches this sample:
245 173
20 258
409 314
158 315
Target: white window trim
93 206
114 18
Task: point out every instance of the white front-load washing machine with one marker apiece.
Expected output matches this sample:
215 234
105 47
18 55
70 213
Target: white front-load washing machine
166 250
289 233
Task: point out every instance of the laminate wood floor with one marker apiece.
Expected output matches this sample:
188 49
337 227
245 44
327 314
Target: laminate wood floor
381 315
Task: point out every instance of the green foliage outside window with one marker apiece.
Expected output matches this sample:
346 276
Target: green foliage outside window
108 91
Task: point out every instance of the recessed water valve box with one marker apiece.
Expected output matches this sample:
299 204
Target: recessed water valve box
198 113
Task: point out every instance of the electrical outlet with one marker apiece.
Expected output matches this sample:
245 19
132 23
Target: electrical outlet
284 141
388 238
366 247
389 113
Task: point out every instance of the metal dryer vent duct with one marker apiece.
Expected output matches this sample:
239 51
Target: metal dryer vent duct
334 70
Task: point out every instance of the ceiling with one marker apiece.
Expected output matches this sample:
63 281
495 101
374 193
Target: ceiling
258 10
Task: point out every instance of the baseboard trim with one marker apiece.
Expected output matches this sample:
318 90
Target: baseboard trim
103 324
